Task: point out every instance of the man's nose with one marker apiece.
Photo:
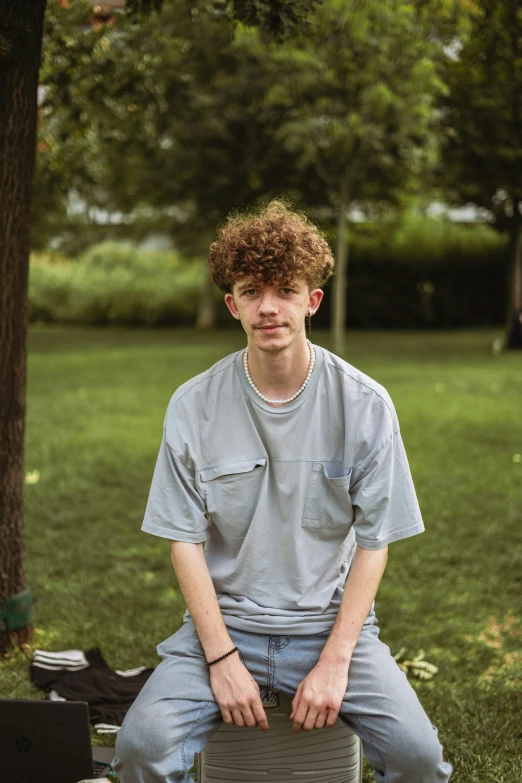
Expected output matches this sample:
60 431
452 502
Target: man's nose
268 303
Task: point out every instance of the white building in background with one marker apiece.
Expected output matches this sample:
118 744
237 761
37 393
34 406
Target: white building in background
466 214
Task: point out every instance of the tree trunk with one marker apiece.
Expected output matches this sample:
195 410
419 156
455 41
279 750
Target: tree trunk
338 321
517 285
513 329
207 309
21 30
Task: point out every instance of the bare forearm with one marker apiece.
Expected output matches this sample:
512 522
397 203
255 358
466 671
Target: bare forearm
360 590
200 597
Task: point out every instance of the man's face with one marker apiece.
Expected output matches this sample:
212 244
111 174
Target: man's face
272 316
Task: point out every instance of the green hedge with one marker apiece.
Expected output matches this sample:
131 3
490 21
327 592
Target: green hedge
424 273
115 284
414 239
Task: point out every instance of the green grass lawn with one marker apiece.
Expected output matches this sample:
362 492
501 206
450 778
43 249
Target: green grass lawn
96 403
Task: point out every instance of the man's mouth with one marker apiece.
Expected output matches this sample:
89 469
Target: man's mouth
270 327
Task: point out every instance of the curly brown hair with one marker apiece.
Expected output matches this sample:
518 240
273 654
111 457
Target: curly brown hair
271 244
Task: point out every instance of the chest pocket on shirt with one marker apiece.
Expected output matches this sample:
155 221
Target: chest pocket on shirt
328 503
232 492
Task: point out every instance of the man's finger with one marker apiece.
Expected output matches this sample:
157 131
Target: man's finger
248 717
226 715
320 719
311 717
237 715
260 715
331 717
300 716
296 700
327 718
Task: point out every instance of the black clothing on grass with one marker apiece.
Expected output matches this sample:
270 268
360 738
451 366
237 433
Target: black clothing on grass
78 675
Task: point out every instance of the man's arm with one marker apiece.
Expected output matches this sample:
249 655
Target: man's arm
319 696
235 690
200 597
360 590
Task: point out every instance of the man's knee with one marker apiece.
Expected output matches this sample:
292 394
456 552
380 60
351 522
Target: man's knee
143 738
417 756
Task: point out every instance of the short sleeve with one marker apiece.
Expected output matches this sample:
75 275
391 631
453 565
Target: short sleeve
175 509
384 499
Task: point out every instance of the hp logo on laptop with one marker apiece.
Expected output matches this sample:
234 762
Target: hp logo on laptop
23 744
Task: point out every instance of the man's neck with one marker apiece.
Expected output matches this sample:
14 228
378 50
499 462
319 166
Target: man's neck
279 374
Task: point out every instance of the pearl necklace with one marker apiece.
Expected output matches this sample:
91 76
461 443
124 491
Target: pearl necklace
290 399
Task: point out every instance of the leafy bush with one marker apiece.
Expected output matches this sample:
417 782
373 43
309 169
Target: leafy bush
115 284
418 240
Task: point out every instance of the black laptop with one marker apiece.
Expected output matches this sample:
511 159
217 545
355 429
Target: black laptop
48 742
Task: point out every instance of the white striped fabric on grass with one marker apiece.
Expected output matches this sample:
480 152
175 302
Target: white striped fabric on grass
70 660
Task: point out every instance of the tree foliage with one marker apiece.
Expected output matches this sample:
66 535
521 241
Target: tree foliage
359 98
483 110
165 120
181 118
482 159
276 19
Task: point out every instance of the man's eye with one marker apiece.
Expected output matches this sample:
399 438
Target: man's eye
250 291
286 290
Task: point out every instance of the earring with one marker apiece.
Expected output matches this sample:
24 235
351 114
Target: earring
309 319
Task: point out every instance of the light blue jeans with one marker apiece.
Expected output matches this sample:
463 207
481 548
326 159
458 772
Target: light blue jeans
176 714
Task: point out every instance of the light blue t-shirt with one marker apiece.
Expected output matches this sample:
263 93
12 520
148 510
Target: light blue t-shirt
282 495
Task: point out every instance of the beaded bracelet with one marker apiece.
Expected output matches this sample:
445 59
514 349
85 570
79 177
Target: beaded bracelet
223 656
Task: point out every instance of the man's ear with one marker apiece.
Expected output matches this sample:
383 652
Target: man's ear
314 299
231 304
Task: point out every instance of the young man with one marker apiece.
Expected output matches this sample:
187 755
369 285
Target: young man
288 462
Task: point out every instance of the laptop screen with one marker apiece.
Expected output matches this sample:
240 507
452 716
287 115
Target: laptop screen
42 741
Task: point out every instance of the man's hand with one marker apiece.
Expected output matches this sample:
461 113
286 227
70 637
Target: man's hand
237 693
319 697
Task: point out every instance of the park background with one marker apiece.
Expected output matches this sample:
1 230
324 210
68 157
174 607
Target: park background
396 127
